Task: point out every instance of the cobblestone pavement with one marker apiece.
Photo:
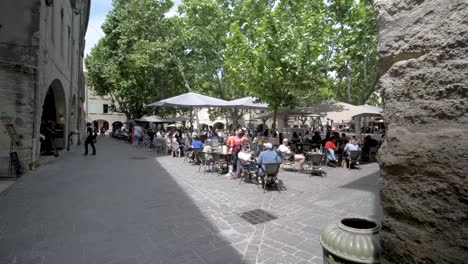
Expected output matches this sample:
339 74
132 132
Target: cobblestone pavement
127 205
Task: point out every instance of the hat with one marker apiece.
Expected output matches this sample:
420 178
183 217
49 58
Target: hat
268 145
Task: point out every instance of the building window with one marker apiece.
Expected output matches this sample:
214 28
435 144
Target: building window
105 108
92 108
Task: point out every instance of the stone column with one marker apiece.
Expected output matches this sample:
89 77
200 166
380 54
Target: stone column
423 45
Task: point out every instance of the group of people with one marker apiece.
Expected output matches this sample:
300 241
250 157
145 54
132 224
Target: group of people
235 143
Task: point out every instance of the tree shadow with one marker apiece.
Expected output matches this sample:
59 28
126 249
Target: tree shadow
369 183
108 208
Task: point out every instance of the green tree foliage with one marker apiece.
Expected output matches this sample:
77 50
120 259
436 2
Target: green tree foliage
133 62
353 50
285 52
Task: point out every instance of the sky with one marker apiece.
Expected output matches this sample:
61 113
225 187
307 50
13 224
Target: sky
99 10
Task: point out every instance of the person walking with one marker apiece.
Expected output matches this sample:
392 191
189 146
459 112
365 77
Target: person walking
89 139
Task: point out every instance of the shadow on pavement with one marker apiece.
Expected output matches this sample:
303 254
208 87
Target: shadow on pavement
110 208
369 183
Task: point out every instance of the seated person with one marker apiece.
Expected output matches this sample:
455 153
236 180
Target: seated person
243 157
289 155
351 146
267 156
331 147
208 148
196 144
316 139
368 142
295 138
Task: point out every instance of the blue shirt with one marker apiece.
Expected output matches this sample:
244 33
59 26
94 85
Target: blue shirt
268 156
197 144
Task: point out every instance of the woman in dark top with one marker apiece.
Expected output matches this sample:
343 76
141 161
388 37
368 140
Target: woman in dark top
317 139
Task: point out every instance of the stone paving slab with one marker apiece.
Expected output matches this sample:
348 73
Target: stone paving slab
127 205
309 203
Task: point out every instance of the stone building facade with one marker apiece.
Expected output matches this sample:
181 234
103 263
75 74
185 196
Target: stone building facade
99 111
423 47
41 73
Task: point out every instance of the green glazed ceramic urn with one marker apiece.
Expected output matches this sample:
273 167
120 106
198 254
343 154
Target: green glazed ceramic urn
352 240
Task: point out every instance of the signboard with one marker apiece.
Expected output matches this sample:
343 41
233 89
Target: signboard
15 163
10 128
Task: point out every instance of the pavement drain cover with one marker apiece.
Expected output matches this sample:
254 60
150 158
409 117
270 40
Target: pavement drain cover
257 216
138 158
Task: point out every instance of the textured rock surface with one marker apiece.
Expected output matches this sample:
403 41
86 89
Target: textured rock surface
423 46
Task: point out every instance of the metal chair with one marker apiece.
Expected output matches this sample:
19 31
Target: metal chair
205 161
219 163
270 171
286 160
373 152
354 157
175 147
315 161
248 169
159 145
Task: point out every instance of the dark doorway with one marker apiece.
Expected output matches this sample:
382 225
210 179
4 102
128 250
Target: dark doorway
53 120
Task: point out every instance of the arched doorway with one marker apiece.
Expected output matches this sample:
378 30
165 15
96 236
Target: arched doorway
100 124
53 119
218 125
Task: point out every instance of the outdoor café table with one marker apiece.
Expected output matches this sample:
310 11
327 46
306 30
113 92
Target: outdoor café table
304 147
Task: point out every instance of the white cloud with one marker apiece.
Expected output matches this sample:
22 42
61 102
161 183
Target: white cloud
94 32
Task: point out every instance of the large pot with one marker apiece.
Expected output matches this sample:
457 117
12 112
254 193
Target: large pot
352 240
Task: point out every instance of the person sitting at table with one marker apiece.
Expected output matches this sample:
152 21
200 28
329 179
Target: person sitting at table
330 145
351 146
289 155
368 143
295 138
208 148
243 156
317 139
196 142
267 156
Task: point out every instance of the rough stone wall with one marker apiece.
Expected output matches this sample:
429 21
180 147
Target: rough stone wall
17 106
423 46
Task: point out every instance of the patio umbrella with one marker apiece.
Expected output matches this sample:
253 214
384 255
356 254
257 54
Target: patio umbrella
247 103
191 100
152 119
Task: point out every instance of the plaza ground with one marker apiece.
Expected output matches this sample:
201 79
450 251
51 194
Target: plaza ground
127 205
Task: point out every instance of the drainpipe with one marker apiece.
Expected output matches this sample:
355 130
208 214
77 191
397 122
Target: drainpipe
34 132
70 101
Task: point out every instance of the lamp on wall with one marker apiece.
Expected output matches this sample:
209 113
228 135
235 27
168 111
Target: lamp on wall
61 120
49 2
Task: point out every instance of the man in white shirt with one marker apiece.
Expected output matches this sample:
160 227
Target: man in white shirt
289 155
351 146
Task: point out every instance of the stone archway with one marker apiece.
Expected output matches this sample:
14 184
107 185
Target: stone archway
101 123
53 119
218 125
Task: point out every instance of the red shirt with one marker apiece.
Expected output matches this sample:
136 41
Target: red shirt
330 145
